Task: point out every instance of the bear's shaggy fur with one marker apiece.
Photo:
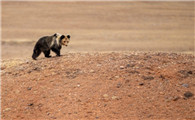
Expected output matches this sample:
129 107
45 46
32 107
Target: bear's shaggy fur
47 43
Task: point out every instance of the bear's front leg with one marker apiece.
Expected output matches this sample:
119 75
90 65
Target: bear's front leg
57 51
47 53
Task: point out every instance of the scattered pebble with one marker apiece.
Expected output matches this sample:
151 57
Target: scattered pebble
128 65
114 97
122 67
126 81
20 68
185 73
188 94
7 109
161 93
91 71
189 72
185 85
3 67
141 84
27 61
36 68
116 76
17 91
29 88
175 98
168 99
29 71
119 85
53 117
147 77
105 95
162 77
99 65
31 104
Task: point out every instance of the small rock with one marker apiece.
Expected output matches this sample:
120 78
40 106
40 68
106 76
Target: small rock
29 71
168 99
91 71
116 76
141 84
36 68
27 61
29 88
147 77
188 94
96 117
53 117
189 72
99 65
7 109
122 67
162 77
161 93
105 95
119 85
40 105
128 65
114 97
175 98
78 85
17 91
149 116
185 85
31 104
3 67
185 73
127 81
75 112
20 68
89 112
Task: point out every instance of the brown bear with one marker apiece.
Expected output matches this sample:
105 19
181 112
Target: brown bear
47 43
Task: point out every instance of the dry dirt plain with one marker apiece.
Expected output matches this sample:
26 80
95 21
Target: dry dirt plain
126 60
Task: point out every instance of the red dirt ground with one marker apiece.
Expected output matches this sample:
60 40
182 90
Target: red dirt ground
115 85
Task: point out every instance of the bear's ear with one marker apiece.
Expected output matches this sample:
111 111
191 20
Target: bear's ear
62 37
68 36
55 35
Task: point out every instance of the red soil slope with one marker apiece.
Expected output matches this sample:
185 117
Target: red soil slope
118 85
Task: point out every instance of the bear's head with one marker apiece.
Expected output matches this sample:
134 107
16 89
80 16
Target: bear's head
62 39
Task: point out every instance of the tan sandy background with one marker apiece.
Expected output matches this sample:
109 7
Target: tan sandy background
99 26
106 72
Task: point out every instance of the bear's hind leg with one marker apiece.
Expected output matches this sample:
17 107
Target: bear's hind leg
36 53
47 53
